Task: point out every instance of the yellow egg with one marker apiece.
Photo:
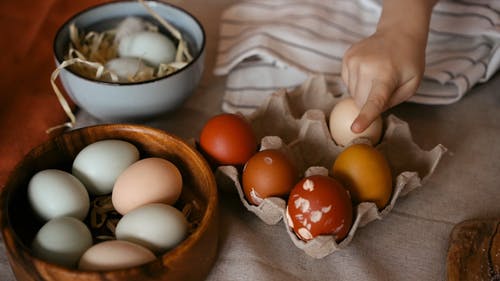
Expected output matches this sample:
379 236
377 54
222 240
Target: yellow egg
366 173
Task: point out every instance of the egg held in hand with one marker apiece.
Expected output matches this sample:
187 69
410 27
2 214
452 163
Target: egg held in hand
341 118
268 173
150 180
228 139
365 172
319 205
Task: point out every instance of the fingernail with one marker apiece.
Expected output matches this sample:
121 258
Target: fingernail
356 127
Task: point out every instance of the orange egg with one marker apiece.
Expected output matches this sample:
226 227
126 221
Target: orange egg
268 173
228 139
366 173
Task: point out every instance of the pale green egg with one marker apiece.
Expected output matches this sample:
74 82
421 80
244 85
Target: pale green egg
54 193
158 227
62 240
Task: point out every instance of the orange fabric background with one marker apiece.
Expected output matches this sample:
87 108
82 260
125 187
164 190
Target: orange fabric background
28 105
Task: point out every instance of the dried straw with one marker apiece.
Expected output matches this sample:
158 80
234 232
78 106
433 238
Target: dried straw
88 53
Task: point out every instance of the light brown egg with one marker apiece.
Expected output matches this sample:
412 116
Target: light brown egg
113 255
150 180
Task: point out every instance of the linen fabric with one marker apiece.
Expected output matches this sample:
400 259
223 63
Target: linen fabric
266 45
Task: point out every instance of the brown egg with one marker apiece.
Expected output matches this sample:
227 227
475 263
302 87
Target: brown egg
228 139
366 173
268 173
319 205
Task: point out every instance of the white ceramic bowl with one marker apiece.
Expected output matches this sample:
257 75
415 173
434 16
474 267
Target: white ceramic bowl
133 101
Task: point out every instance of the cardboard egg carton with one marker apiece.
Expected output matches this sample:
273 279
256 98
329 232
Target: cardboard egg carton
295 122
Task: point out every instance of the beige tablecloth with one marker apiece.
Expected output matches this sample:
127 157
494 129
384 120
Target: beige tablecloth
410 243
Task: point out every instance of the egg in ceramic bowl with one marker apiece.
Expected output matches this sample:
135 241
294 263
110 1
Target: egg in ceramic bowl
141 99
19 225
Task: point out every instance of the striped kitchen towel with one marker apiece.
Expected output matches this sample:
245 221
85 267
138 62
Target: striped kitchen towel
266 45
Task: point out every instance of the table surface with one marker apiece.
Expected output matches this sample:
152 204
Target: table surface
410 243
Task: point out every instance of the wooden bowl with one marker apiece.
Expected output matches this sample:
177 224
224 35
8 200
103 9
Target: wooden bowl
190 260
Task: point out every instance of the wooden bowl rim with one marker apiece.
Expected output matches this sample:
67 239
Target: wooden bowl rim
184 246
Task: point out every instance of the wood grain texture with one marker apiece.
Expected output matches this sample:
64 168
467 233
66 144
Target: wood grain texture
474 252
191 260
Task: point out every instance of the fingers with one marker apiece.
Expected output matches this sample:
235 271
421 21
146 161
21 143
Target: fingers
350 70
357 74
404 92
371 95
377 101
380 72
344 73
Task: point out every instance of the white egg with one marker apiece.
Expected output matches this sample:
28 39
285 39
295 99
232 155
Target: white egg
158 227
113 255
54 193
125 68
341 118
62 240
128 26
100 163
152 47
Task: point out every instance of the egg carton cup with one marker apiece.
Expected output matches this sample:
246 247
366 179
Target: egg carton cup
295 123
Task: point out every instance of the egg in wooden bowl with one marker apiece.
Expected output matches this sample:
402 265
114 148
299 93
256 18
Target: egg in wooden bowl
24 229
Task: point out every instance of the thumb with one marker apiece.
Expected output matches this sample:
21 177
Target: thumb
375 104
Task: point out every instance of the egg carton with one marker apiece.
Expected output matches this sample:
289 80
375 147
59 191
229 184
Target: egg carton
295 123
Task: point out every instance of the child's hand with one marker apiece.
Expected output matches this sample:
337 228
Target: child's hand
380 72
386 68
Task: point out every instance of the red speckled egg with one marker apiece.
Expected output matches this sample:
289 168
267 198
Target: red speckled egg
228 139
268 173
319 205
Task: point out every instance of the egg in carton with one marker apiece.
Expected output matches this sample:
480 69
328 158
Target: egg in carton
294 123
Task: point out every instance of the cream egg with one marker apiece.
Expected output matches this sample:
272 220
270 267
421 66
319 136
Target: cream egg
99 164
62 240
152 47
158 227
113 255
149 180
54 193
341 118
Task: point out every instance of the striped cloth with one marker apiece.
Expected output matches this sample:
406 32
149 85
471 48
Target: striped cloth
266 45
